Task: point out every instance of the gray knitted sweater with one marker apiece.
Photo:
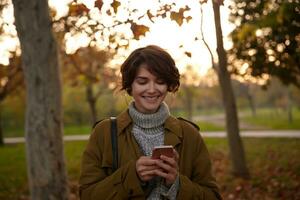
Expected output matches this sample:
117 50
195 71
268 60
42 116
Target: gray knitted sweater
148 131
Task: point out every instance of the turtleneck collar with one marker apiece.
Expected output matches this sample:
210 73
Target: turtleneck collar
149 120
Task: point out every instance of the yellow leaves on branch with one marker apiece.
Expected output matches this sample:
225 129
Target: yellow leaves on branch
188 54
77 9
115 5
138 30
179 16
203 1
98 4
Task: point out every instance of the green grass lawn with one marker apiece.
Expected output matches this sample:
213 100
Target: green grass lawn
207 126
77 130
68 130
265 118
274 119
13 174
86 129
273 164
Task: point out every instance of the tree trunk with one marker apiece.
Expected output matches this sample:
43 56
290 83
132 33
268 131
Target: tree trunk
251 101
235 142
92 102
189 103
290 105
43 127
1 130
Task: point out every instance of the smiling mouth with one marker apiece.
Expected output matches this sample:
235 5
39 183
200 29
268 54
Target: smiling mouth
151 98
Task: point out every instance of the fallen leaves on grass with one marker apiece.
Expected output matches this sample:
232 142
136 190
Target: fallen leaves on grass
267 181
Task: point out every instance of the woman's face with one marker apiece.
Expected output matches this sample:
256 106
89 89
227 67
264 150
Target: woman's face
148 91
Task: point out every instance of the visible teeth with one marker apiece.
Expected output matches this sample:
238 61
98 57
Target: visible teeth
154 97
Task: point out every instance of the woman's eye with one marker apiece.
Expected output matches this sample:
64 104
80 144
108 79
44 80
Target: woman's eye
160 81
141 81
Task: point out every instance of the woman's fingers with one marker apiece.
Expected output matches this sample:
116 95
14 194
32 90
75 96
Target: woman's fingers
170 161
144 160
169 177
176 155
169 168
145 167
165 167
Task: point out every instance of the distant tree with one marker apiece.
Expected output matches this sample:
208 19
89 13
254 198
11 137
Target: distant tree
232 124
11 76
280 96
87 67
11 79
266 39
246 89
188 85
44 126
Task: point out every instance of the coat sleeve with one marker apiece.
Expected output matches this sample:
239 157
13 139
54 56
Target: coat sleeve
96 179
201 184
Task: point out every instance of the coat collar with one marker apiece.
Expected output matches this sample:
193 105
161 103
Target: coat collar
172 124
123 120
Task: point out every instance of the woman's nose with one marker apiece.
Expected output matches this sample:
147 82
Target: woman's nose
152 87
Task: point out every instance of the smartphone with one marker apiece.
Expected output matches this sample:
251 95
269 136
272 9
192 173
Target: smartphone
166 150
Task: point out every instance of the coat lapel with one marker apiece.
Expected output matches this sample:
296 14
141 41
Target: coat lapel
173 132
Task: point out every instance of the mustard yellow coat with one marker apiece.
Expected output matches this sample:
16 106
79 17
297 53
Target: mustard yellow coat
98 182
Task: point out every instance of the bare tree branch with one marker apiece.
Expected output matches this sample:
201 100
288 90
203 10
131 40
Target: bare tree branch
214 66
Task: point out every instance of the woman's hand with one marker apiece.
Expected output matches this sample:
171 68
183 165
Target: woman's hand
168 168
146 168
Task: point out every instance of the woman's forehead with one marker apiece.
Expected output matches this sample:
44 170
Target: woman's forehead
144 70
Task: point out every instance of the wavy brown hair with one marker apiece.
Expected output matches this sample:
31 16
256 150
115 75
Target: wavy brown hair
158 62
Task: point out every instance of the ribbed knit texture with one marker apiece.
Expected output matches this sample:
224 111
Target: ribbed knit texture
148 131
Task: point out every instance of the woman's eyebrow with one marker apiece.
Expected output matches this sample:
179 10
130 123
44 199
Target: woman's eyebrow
141 77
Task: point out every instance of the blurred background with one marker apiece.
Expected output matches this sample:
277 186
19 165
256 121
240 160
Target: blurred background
261 40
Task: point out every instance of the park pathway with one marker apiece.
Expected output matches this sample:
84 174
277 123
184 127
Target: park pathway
218 134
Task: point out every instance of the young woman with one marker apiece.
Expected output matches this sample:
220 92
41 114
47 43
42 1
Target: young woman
148 74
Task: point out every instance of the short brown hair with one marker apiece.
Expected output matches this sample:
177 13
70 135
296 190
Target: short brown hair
158 62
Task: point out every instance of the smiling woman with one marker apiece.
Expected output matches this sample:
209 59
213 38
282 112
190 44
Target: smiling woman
148 91
148 74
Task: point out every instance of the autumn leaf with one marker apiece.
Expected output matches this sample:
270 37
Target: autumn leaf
112 39
150 16
178 16
188 18
108 12
77 9
203 1
115 5
98 4
138 30
189 54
